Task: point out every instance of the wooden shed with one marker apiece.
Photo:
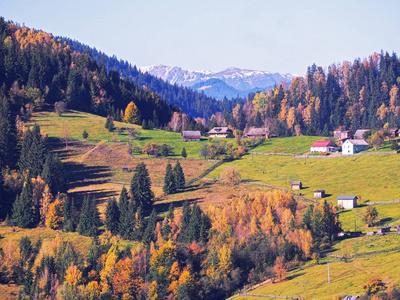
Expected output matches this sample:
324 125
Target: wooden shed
318 194
125 169
296 185
347 202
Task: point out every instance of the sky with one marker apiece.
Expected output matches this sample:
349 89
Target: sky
275 36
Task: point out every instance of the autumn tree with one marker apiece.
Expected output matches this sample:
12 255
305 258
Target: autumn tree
151 149
73 275
55 215
60 108
126 282
370 215
204 151
231 175
280 268
132 114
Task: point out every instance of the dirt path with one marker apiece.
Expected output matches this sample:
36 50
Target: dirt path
85 155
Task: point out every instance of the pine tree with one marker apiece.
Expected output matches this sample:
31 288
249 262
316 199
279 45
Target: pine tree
23 213
142 195
54 174
33 152
169 181
93 258
8 135
179 175
110 124
125 219
193 230
148 235
89 220
183 153
70 215
186 213
112 216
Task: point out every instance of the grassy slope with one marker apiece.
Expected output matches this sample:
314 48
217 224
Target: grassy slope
292 145
361 175
53 125
346 278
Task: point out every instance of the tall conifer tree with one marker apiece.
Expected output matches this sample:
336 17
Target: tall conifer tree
112 216
142 195
179 176
23 213
125 219
170 185
89 220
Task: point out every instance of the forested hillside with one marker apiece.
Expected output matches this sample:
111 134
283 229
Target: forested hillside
194 104
362 94
37 69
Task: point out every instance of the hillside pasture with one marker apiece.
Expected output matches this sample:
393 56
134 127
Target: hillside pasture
288 145
373 177
54 126
347 278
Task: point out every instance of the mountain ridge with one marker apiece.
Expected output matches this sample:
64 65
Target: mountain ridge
242 81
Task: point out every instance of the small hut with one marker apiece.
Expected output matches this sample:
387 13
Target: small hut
296 185
347 202
318 194
125 169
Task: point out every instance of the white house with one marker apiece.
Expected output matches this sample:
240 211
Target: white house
220 132
324 146
354 146
347 202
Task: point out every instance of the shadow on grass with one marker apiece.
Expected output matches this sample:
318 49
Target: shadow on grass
295 275
164 206
77 172
97 194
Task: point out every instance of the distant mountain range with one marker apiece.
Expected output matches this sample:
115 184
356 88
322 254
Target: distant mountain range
228 83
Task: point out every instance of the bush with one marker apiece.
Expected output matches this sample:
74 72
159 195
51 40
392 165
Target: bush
85 134
231 175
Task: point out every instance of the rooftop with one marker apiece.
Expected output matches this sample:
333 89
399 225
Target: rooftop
357 142
346 197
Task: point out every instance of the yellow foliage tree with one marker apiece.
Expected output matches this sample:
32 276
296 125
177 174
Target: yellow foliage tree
132 114
93 290
153 294
55 216
126 281
45 201
73 275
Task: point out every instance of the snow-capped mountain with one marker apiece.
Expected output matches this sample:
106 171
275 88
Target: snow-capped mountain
228 83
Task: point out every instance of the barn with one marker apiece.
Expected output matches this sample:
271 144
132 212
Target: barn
324 146
347 202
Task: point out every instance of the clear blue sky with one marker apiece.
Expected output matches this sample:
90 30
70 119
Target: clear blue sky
276 36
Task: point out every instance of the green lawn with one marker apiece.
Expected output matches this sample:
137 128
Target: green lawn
291 145
346 278
365 176
54 126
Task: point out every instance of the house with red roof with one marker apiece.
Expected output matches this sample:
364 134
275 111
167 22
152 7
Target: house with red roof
324 146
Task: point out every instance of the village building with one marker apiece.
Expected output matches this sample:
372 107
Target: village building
319 194
220 132
296 185
324 146
342 134
257 133
354 146
191 135
347 202
393 133
360 133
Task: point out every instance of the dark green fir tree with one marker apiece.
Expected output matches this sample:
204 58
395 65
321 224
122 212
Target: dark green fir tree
112 216
183 153
148 235
23 213
89 220
142 195
170 186
186 213
54 174
125 220
70 215
179 175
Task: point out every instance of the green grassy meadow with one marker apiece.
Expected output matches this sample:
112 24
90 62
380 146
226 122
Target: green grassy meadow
54 126
289 145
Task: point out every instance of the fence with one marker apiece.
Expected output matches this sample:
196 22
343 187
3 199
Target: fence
383 202
220 162
283 154
343 257
344 155
271 296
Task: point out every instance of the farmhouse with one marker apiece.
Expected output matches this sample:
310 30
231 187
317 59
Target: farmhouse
347 202
342 134
393 133
318 194
323 146
191 135
360 133
257 133
354 146
296 185
220 132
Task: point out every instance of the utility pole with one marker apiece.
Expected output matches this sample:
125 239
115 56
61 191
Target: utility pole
263 169
245 294
305 159
355 225
277 174
329 278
